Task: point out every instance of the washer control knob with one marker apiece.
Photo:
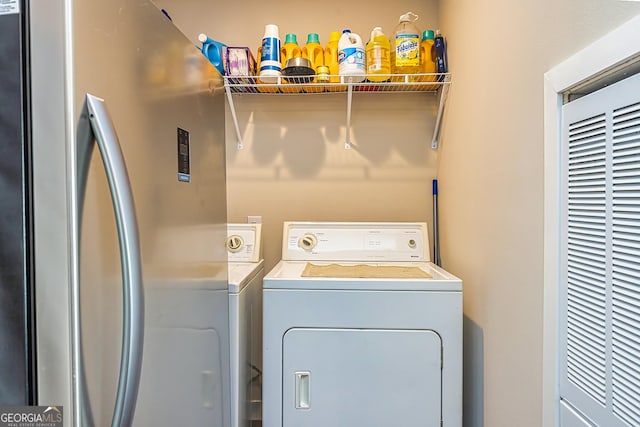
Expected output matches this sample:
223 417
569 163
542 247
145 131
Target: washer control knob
234 243
412 244
307 242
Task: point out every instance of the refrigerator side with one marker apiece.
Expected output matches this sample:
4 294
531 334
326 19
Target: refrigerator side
52 240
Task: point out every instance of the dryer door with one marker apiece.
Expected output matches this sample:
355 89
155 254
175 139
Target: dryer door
361 377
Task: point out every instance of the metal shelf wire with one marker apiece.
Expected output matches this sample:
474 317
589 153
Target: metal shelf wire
437 84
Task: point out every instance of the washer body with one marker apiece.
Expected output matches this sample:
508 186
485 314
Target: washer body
186 339
246 271
380 348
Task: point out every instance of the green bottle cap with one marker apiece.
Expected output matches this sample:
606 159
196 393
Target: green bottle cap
428 35
313 37
291 38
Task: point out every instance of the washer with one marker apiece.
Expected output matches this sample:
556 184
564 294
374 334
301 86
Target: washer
186 329
246 271
360 329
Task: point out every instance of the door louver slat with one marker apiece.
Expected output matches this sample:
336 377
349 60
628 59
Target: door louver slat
600 307
626 263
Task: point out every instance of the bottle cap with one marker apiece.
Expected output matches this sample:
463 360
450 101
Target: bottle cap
323 73
271 30
313 38
346 30
291 38
377 31
409 17
334 36
428 35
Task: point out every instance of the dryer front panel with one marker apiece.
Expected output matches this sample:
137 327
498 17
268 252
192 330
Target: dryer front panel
361 377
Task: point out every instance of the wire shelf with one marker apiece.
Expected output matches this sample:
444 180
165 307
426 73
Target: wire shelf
308 85
337 83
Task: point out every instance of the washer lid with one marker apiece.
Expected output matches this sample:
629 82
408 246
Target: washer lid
396 276
241 273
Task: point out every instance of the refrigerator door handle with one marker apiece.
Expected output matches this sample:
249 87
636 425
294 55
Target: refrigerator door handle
103 133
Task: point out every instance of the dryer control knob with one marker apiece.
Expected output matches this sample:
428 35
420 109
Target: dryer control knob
308 242
234 243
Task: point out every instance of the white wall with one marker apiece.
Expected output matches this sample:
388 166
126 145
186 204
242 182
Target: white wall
491 178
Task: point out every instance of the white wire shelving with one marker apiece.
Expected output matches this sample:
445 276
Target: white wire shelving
436 84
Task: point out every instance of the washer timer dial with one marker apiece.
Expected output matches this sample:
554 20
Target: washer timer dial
307 242
234 243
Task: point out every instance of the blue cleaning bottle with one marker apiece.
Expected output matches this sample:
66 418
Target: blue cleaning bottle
440 47
214 51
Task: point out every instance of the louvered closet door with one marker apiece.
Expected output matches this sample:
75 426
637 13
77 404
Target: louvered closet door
600 265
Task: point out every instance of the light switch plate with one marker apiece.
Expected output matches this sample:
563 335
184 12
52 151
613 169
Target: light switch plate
254 219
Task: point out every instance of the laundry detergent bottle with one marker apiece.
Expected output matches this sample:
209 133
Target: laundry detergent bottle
406 46
331 61
428 57
289 50
315 54
214 51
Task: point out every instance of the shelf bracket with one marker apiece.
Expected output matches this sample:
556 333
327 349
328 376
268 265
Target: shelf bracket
347 144
232 107
437 129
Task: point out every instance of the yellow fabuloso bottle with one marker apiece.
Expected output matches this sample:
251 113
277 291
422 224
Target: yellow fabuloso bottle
290 49
315 54
377 56
406 46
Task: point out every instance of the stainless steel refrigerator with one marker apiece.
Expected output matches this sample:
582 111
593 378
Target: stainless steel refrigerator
112 158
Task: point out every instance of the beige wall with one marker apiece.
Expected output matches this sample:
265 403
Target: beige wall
490 167
491 177
294 165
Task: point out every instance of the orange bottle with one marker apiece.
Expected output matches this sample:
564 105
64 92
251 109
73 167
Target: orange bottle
331 60
427 58
314 53
289 50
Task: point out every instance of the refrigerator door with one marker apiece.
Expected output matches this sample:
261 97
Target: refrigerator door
169 118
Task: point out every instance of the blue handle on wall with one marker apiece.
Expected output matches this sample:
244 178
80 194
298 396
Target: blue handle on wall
435 187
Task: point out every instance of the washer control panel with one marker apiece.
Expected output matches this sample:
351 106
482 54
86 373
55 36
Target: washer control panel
355 241
243 242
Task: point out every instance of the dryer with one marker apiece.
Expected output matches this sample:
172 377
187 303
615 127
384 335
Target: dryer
246 271
360 329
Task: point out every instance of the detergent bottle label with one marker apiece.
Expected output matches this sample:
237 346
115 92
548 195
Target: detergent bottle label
270 54
352 56
407 50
